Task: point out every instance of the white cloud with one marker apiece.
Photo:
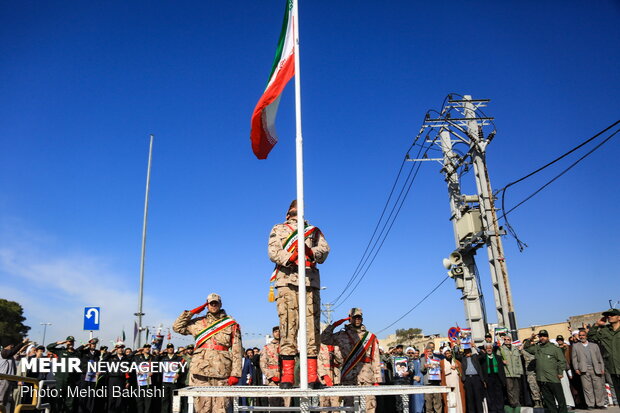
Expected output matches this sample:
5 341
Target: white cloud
55 287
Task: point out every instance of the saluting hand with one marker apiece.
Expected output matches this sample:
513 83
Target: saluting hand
337 323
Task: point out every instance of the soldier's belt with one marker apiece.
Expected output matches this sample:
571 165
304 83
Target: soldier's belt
211 346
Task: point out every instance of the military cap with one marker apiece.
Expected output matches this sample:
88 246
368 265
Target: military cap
170 345
543 333
488 335
559 337
93 340
214 297
70 338
611 312
355 312
190 346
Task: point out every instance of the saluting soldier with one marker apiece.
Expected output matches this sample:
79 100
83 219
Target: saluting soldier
361 366
89 355
65 380
330 360
217 357
116 378
170 376
283 252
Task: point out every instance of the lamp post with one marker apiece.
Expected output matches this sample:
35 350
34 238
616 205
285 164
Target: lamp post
44 331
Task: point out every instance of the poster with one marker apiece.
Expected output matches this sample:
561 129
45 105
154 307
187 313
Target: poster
433 371
400 366
466 338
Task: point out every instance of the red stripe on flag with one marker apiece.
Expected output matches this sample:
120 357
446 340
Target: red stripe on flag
261 144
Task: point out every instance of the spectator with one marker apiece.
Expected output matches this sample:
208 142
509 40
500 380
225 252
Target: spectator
402 374
550 365
473 381
494 378
568 395
416 401
451 373
432 401
513 369
606 332
8 366
530 376
588 364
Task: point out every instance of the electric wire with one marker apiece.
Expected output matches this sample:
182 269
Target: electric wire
366 254
417 304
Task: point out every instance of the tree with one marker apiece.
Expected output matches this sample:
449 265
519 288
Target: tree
12 328
407 335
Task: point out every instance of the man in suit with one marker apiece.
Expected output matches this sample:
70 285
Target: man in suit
472 380
588 364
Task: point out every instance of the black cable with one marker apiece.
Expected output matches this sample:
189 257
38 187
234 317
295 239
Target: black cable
415 306
364 258
382 242
556 177
560 157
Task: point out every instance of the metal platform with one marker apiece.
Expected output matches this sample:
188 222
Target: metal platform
308 398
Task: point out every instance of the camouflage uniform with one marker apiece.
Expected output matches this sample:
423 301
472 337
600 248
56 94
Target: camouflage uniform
365 373
270 365
330 360
217 360
287 283
530 373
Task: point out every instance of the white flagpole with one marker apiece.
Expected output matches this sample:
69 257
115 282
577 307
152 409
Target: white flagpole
302 339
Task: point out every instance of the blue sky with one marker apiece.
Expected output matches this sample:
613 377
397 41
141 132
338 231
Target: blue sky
84 83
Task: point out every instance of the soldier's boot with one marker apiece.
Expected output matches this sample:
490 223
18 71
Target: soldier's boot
288 372
313 377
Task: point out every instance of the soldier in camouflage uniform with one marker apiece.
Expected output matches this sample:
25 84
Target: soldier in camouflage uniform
218 353
64 380
270 365
330 360
361 368
285 257
530 374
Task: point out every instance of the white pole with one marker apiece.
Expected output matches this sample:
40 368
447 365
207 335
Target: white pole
302 339
139 314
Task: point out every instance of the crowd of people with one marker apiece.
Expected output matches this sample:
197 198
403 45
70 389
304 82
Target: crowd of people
503 375
500 375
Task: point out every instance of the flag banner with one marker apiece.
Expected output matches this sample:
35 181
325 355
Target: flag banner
263 130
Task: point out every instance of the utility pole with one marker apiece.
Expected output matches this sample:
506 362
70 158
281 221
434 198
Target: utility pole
139 314
473 217
328 312
492 232
464 271
44 331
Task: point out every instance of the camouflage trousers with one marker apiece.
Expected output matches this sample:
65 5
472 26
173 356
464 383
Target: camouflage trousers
209 404
329 401
534 389
371 401
288 312
278 401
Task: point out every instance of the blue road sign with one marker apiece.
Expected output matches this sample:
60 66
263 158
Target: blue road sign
91 318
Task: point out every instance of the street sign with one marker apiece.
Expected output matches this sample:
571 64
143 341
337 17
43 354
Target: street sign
453 334
91 318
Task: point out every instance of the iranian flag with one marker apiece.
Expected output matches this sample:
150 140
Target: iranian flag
263 133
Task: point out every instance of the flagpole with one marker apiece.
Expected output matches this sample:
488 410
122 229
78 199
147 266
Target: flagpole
302 339
139 314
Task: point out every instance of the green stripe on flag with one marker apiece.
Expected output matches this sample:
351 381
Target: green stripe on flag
276 60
